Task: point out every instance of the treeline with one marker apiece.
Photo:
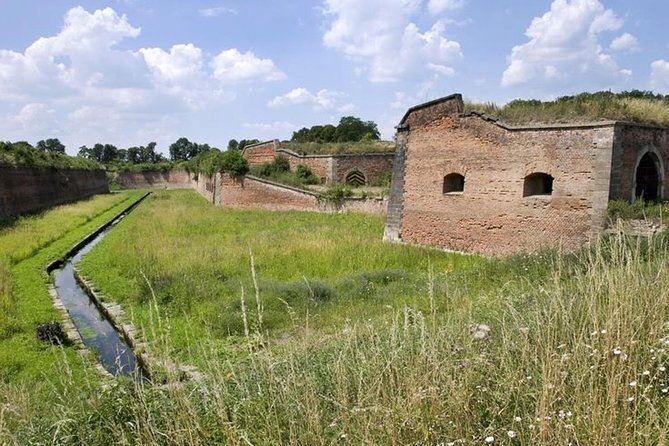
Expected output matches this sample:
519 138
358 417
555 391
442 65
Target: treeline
349 129
46 153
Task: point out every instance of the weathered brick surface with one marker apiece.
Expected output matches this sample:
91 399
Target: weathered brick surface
260 153
327 168
28 189
250 193
491 215
374 166
174 179
633 140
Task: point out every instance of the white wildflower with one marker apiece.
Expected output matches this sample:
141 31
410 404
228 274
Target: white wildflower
511 434
489 439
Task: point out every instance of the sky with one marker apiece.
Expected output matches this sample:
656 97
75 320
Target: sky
128 72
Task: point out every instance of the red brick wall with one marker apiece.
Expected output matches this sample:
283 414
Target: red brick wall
491 215
260 153
29 189
632 142
321 166
250 193
373 166
174 178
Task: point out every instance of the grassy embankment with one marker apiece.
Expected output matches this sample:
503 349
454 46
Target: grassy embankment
354 342
27 245
632 106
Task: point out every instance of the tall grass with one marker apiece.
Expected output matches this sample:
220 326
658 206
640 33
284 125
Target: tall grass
626 106
580 359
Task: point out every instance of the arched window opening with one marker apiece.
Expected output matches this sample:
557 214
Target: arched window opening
538 183
454 182
648 178
356 178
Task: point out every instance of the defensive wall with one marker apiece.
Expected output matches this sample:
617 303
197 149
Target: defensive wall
30 189
468 182
173 179
328 168
248 192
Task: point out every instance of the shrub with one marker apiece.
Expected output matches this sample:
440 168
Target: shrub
305 174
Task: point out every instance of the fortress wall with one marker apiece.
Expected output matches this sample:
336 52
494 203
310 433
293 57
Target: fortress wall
171 179
491 215
29 189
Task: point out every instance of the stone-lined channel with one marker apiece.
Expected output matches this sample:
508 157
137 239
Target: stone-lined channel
97 333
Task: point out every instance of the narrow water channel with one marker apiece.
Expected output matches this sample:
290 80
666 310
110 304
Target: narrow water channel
97 333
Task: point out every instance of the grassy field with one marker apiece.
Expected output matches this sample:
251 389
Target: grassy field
309 330
27 245
313 272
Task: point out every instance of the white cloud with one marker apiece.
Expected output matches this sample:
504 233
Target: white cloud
379 35
233 66
321 100
626 42
272 127
82 82
183 62
440 6
564 47
215 12
659 76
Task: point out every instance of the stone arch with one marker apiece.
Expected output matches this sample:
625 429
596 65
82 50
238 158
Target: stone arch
648 176
355 178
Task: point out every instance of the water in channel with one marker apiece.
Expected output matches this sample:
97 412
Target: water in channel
98 334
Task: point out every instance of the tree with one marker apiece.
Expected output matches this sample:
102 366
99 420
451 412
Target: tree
351 128
51 145
233 163
180 149
233 144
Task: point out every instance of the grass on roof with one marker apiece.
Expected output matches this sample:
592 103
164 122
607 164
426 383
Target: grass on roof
635 106
336 148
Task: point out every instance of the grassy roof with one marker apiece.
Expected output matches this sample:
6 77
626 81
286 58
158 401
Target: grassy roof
335 148
634 106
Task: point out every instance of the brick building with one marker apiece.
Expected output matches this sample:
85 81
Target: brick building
471 183
355 168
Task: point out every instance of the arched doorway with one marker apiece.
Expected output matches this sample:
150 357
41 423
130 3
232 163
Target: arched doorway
648 178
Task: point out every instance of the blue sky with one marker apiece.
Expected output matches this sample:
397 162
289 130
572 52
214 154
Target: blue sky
128 72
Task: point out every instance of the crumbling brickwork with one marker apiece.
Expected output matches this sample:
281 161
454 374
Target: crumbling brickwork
327 168
491 214
172 179
29 189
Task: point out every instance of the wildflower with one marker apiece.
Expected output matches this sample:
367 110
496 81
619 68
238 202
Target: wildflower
517 419
630 399
489 439
616 351
633 384
665 390
662 368
561 414
511 434
646 372
603 331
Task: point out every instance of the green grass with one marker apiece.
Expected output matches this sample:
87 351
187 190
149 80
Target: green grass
580 359
27 245
312 148
346 340
626 106
330 268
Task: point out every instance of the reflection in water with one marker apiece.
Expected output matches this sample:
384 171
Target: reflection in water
97 333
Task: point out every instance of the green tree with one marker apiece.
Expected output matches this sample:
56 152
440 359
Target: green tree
51 145
351 129
233 163
233 144
180 149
